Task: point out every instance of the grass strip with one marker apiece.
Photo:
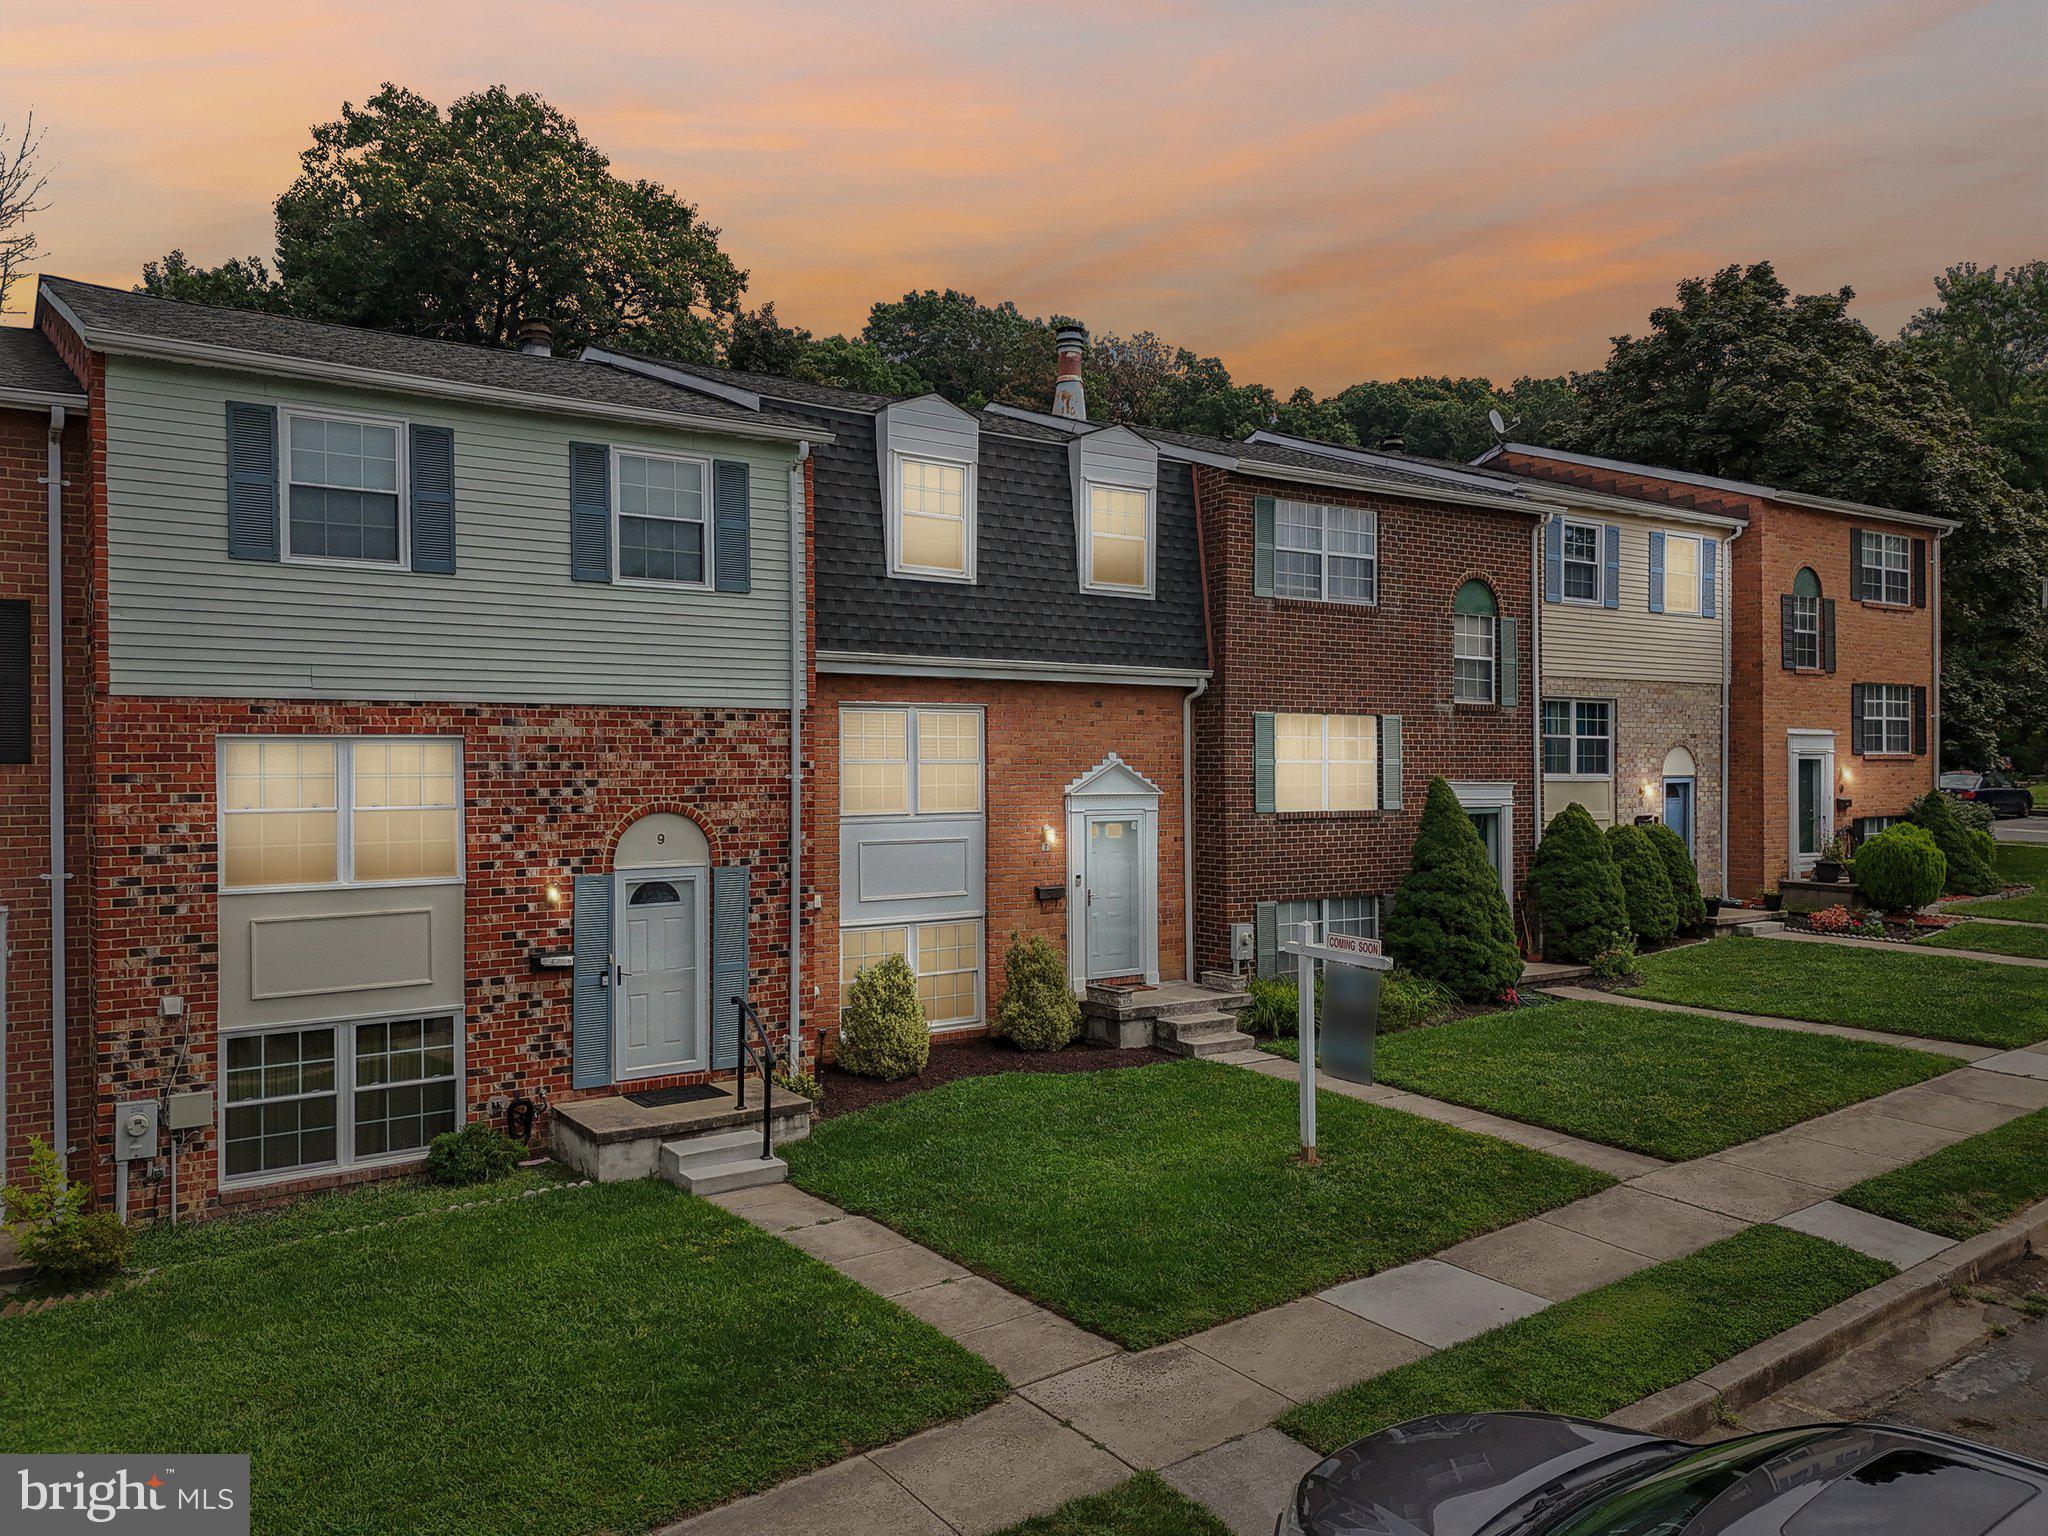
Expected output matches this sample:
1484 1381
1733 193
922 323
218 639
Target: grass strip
1969 1186
1144 1506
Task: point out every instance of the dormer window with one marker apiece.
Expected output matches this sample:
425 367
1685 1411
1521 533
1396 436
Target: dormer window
1119 557
934 518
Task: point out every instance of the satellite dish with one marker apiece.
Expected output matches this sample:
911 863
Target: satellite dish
1500 427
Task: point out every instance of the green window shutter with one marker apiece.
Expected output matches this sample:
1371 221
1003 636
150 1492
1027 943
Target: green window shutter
1656 570
590 512
433 500
252 482
728 962
1553 559
1390 763
590 989
1510 663
1264 794
1262 547
1266 928
729 490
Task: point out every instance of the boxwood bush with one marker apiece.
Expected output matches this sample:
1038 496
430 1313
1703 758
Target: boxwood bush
882 1030
1901 869
1039 1011
475 1154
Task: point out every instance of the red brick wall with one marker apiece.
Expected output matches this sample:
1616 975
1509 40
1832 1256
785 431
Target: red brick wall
548 790
1040 738
1394 659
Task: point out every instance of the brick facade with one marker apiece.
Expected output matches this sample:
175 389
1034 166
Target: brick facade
1272 654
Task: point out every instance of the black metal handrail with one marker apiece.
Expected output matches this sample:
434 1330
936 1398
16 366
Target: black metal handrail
761 1060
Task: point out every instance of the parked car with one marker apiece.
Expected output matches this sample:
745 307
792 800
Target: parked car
1538 1474
2005 795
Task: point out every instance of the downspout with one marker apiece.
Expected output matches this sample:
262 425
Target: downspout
799 667
59 876
1187 826
1535 697
1727 686
1934 691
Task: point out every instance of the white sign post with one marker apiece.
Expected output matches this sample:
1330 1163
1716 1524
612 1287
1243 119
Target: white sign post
1341 949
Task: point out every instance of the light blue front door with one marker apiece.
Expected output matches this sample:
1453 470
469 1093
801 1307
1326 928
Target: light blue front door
1114 905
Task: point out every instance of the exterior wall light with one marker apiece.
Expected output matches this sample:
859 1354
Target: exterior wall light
554 894
1049 838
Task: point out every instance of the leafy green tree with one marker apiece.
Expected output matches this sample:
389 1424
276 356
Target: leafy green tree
462 224
1645 884
237 283
974 354
1449 922
760 343
1968 868
1742 379
1986 336
1685 878
1576 890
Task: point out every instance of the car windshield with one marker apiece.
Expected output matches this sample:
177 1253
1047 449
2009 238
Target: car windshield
1961 780
1665 1504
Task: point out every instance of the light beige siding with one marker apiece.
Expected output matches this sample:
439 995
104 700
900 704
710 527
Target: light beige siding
1585 640
509 626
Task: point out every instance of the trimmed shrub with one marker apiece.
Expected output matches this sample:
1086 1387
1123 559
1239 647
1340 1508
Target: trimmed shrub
1449 921
1684 877
57 1237
882 1030
1969 863
1408 1001
1615 962
1575 890
1039 1011
476 1154
1274 1013
1645 887
1901 869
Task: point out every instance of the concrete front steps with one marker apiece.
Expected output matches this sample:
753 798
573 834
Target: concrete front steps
1184 1018
705 1145
719 1162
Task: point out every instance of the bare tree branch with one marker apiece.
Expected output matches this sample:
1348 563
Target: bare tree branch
21 192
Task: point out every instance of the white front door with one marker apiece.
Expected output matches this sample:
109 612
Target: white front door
662 943
1114 917
1811 797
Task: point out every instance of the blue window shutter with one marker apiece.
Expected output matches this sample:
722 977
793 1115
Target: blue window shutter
1610 589
1266 934
433 500
1390 762
728 962
252 481
1510 658
590 512
1553 560
1262 546
1710 585
1264 796
590 993
1656 570
729 514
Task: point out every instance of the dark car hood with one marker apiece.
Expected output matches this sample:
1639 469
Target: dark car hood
1455 1475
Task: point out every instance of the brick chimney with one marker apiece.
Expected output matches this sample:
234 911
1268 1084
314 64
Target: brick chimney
1067 397
537 338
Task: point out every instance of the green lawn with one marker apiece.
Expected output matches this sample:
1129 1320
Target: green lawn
1936 997
1144 1506
1992 938
1602 1351
1633 1077
1968 1187
1152 1202
2016 862
597 1359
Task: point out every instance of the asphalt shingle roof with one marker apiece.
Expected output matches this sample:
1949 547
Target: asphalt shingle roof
29 363
770 386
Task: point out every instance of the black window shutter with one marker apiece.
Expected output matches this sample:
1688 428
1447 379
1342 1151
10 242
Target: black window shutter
1919 573
16 682
433 500
1786 651
1856 718
1827 634
1920 722
1856 565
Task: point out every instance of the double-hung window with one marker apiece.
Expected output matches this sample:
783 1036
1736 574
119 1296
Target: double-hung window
1887 718
663 532
313 811
1475 645
1887 560
344 488
1119 557
1581 575
1807 650
1330 554
1681 573
902 761
934 533
1325 762
944 957
1578 737
1355 917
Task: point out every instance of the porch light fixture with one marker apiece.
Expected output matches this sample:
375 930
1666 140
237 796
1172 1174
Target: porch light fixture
554 894
1049 838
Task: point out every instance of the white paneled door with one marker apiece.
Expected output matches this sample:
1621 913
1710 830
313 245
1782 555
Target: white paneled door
662 972
1115 896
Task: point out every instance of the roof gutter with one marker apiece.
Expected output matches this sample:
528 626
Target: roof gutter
890 664
42 400
1451 495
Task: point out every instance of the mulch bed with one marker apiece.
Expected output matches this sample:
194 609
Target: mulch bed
978 1056
1897 929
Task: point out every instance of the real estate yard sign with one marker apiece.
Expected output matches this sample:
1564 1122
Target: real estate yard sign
1351 1008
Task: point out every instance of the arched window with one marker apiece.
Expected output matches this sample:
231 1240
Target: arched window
1475 644
1807 632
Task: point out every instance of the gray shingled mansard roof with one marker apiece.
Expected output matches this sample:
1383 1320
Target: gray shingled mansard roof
115 320
31 372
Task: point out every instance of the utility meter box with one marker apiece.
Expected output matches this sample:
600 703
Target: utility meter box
1244 944
189 1111
135 1130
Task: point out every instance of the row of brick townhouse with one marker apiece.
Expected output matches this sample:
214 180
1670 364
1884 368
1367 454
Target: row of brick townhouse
453 733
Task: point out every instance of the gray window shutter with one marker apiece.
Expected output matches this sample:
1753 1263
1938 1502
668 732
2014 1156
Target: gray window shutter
728 962
1510 663
1856 719
729 480
1390 762
1266 932
1264 796
1856 593
590 512
252 481
1656 570
1827 634
1920 722
1262 546
1919 573
1788 655
1710 550
1553 560
590 990
1610 589
433 500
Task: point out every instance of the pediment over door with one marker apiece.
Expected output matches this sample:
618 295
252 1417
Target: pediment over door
1112 779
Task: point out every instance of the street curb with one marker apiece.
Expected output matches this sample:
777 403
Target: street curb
1693 1408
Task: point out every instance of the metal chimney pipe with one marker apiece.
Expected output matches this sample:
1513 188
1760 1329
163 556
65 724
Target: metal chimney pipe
537 338
1068 399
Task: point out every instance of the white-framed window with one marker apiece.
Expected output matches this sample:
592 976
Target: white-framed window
934 518
1681 573
1325 762
909 760
1887 568
661 517
1328 554
1475 645
344 488
1356 917
1887 718
1118 559
1581 575
1578 737
945 957
1805 631
282 824
301 1098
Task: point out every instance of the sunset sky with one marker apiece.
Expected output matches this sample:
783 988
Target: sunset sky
1317 192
